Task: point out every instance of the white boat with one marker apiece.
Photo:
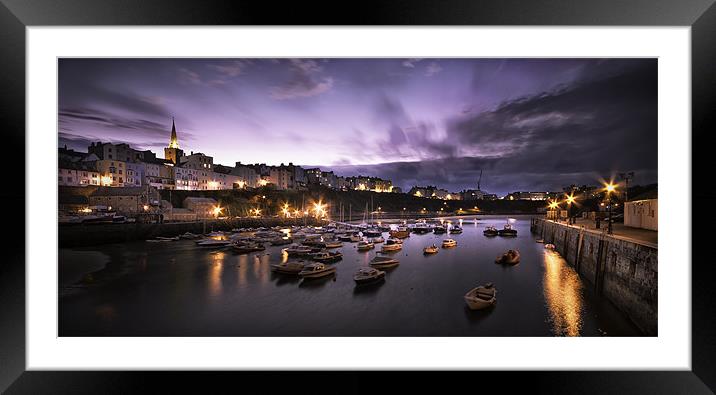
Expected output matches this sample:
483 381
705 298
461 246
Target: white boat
316 270
433 249
211 243
299 250
377 240
481 297
391 245
447 243
333 243
367 275
365 245
384 262
549 246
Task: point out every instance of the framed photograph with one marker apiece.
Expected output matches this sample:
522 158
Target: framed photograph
475 189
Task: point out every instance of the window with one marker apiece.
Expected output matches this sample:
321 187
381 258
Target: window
120 171
120 179
110 156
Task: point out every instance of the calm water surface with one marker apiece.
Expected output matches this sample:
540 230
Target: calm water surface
177 289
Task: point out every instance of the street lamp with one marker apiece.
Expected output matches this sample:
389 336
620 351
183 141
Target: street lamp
609 188
570 200
554 206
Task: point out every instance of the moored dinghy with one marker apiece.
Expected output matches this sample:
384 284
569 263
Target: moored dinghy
288 267
490 231
366 275
365 245
433 249
481 297
511 257
316 270
384 262
447 243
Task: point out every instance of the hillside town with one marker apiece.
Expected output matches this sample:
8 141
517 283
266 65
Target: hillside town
121 166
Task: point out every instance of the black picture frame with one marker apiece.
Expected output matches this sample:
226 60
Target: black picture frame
16 15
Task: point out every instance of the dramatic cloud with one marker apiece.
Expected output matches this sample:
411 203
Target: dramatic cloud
529 124
303 82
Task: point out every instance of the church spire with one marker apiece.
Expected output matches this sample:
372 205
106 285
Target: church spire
174 142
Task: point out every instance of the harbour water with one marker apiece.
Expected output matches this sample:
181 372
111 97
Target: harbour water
177 289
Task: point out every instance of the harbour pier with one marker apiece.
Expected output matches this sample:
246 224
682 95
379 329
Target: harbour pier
624 270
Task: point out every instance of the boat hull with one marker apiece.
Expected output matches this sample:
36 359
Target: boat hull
317 274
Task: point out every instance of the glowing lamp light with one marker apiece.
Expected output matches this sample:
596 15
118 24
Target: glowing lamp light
610 187
217 210
146 207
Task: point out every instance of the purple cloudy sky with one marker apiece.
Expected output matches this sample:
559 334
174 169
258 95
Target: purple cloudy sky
529 124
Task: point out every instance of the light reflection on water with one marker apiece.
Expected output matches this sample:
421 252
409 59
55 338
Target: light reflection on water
563 295
215 271
188 291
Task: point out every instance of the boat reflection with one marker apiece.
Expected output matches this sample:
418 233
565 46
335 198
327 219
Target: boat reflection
563 295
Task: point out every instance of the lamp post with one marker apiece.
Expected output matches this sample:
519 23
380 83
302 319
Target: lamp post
609 188
570 200
554 206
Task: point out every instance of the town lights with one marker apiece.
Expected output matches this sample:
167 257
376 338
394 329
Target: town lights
256 211
286 212
146 207
216 211
320 209
106 180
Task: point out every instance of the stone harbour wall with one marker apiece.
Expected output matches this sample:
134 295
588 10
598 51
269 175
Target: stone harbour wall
623 271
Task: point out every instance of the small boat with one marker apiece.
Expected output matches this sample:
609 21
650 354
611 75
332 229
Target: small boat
377 240
384 262
439 230
433 249
333 243
421 228
211 243
391 245
288 267
316 270
366 275
279 241
349 238
549 246
447 243
189 236
455 230
372 232
400 233
511 257
481 297
314 241
365 245
490 231
541 241
328 257
160 238
245 248
299 250
507 231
